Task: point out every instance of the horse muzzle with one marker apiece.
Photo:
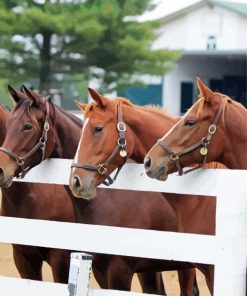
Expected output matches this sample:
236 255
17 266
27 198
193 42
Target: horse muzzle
5 181
82 188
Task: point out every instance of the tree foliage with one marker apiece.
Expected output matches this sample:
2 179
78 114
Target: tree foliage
47 40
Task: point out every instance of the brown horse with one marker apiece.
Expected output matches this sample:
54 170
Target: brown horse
26 200
214 129
140 128
116 208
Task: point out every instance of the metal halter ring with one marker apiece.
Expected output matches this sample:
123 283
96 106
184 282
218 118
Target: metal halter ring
212 129
46 126
42 146
174 156
205 141
121 126
102 169
20 161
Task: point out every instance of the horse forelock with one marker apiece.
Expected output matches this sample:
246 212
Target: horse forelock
89 107
116 103
224 100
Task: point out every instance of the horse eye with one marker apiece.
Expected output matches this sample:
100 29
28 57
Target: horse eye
190 122
98 129
28 126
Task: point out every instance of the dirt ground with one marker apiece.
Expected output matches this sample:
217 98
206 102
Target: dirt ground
7 268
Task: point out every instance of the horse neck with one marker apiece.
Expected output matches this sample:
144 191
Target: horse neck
235 155
67 132
15 198
146 126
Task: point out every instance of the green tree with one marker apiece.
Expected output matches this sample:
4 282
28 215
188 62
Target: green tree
51 39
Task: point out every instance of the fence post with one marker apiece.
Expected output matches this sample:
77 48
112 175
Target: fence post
79 274
231 234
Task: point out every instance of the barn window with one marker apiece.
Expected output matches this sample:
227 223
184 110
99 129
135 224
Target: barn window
211 43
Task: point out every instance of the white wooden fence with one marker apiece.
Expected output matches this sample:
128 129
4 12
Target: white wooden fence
227 250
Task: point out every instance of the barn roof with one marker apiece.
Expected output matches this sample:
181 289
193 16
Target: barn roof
240 8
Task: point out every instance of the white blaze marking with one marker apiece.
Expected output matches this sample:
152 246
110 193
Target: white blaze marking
79 145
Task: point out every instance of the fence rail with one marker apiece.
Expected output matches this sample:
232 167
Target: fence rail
227 250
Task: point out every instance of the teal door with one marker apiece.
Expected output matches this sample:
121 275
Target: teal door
151 94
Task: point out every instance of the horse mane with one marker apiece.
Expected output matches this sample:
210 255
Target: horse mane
124 101
150 108
225 100
71 116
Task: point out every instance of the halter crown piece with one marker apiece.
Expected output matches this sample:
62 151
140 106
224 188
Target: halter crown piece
203 145
20 160
120 148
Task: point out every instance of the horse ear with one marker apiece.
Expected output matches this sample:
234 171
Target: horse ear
32 96
81 105
98 98
16 95
205 91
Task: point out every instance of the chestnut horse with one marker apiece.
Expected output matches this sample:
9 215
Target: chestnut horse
26 200
114 207
114 128
214 129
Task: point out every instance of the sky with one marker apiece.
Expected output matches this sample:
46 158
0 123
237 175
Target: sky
165 7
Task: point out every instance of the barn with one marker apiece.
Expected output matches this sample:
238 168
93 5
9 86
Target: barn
212 38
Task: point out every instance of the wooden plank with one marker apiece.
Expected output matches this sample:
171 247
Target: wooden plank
132 177
111 240
14 286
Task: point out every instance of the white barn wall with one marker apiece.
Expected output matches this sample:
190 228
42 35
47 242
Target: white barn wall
242 33
188 32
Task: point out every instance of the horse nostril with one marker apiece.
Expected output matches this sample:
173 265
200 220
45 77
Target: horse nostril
147 163
76 182
1 174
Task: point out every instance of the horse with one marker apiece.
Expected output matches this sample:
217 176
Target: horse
29 122
116 129
213 129
27 200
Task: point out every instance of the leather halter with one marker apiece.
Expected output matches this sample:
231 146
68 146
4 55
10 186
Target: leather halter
121 147
203 143
20 160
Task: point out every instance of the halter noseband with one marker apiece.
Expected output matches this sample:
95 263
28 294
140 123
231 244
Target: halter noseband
20 160
204 143
121 148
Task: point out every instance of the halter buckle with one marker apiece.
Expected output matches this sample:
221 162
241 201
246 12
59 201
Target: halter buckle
121 126
124 142
20 161
46 126
212 129
174 156
102 170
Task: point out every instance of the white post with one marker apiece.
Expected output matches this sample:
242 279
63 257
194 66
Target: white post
231 231
79 274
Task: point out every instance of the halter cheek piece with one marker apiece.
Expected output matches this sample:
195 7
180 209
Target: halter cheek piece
120 148
204 143
20 160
